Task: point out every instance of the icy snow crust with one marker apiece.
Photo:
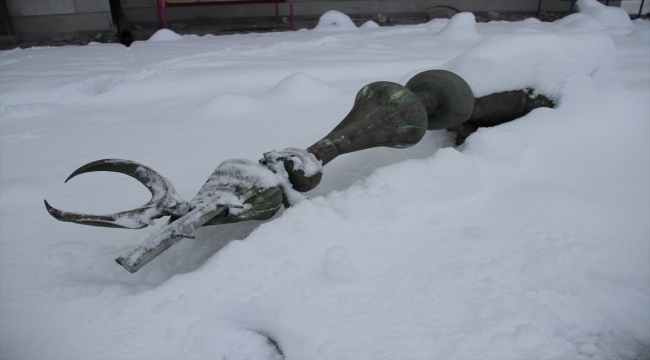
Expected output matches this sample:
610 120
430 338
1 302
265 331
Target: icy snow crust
529 241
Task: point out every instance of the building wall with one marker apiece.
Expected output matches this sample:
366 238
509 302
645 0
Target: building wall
144 10
74 16
59 16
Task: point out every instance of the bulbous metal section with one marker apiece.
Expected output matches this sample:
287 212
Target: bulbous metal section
454 97
384 114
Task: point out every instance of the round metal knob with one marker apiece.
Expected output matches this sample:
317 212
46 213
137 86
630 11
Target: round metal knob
453 97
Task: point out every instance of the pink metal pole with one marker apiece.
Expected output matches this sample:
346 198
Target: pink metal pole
277 13
164 13
290 11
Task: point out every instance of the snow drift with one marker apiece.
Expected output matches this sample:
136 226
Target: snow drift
532 240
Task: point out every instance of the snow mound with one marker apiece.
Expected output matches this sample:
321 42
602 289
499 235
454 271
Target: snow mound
369 25
586 23
72 92
642 35
504 148
444 177
567 19
335 21
461 25
531 21
579 21
302 87
165 35
100 84
607 15
521 61
337 266
227 104
447 175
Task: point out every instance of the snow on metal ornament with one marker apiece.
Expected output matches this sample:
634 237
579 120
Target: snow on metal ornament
384 114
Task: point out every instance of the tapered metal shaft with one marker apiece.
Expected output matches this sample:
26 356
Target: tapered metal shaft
384 114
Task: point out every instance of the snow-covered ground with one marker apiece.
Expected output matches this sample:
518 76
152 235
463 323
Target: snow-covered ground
531 241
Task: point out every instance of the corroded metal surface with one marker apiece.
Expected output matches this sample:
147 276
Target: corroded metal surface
452 92
384 114
499 108
164 199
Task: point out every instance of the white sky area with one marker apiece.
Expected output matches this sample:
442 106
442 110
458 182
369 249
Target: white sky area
530 241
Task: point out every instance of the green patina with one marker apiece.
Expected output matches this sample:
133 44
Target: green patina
407 128
398 96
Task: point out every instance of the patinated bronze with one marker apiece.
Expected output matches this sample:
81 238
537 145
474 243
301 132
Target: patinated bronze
452 94
384 114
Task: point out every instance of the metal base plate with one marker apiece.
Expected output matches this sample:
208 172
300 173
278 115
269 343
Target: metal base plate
455 96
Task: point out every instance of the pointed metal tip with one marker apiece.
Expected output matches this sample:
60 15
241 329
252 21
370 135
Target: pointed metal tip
120 260
148 177
48 206
56 213
99 165
92 220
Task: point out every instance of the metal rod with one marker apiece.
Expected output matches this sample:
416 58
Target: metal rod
430 101
168 236
640 9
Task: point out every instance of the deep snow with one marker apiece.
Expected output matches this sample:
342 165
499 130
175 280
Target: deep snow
531 240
